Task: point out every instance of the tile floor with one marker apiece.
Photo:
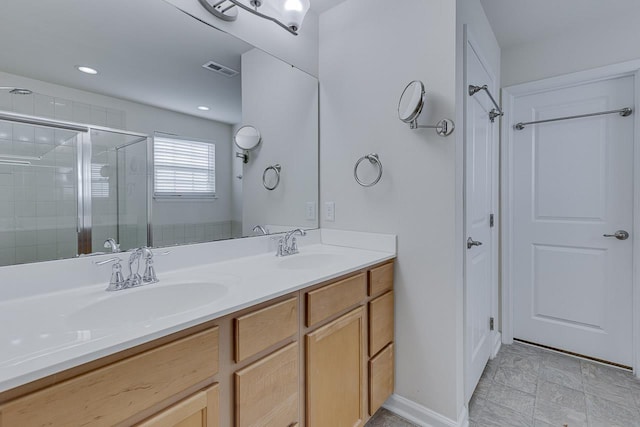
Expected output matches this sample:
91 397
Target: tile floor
532 387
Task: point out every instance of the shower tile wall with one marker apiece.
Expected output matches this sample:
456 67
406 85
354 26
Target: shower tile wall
38 203
62 109
176 234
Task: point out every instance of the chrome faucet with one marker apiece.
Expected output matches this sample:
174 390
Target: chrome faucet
288 245
261 230
134 279
111 243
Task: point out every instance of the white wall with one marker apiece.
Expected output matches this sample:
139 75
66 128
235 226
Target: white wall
300 51
594 45
282 103
369 51
147 119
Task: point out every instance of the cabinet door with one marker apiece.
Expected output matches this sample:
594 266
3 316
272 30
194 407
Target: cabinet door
380 378
199 410
334 355
267 391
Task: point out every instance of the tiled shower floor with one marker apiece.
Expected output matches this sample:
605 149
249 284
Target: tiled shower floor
528 386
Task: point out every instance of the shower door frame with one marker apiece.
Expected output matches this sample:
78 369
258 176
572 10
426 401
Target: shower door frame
84 225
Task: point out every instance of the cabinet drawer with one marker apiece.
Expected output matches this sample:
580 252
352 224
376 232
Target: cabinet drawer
200 410
380 323
380 378
381 279
267 391
116 392
261 329
329 300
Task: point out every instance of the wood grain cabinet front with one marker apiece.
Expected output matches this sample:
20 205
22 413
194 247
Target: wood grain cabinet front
261 329
380 378
117 392
324 302
380 323
200 410
334 363
381 279
266 392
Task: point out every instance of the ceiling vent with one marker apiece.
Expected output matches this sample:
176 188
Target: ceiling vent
220 69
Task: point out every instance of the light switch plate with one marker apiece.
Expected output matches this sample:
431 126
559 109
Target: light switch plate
330 211
311 211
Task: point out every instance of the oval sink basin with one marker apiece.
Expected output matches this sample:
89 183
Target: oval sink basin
145 304
307 261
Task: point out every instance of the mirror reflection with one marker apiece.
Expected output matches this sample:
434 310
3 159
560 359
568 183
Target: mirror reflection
141 149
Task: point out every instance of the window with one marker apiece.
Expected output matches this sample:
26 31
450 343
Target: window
99 180
184 168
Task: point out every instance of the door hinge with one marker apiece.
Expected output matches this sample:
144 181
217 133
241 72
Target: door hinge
491 326
492 221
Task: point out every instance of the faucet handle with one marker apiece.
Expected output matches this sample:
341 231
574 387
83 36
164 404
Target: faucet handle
294 246
281 247
117 281
149 275
107 261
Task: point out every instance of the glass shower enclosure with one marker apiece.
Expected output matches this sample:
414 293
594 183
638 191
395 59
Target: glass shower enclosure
65 188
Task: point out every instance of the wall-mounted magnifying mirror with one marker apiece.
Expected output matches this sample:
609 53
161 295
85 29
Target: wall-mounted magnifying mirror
411 104
247 138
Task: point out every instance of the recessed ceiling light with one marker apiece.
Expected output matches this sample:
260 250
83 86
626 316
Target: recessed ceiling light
203 108
87 70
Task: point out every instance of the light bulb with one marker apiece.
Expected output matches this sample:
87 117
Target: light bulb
293 12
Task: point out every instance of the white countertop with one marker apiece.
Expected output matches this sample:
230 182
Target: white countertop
44 333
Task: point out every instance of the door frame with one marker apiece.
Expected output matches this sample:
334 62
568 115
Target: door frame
470 41
509 95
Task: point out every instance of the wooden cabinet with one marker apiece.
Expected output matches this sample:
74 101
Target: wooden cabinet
334 365
261 329
325 363
380 378
381 279
380 323
200 410
116 392
329 300
266 392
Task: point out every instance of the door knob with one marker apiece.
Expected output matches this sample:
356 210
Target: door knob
471 243
620 235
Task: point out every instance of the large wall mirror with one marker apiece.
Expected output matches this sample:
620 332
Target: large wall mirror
143 151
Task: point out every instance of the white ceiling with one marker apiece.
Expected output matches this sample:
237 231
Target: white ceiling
319 6
517 22
146 51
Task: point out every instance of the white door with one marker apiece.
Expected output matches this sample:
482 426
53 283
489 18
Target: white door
480 261
573 183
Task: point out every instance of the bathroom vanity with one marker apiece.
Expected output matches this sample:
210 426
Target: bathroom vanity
304 340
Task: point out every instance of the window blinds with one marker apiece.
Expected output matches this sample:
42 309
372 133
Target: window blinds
184 168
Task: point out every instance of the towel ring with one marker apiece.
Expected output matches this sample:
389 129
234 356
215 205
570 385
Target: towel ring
374 160
276 169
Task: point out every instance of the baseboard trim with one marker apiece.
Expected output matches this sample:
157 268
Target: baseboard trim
422 416
497 343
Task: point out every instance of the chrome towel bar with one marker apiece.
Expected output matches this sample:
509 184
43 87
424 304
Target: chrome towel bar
624 112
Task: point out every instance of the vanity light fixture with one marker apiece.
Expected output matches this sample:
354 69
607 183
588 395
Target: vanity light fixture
87 70
203 108
288 14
